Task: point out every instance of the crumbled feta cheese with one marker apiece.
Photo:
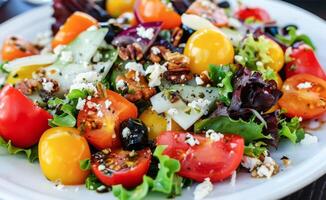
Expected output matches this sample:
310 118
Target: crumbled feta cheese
91 105
203 189
58 49
80 104
155 72
263 171
100 114
199 81
126 132
250 162
101 167
121 85
309 139
267 168
200 105
48 86
86 81
172 111
145 33
191 140
107 103
155 50
233 178
305 85
66 56
137 68
214 136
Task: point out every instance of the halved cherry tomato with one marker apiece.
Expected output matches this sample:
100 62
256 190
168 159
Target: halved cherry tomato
156 10
258 14
60 152
75 24
277 56
101 118
15 47
121 167
209 159
117 7
18 117
304 95
208 46
304 60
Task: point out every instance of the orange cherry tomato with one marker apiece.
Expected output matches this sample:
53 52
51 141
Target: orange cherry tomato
155 11
117 7
75 24
60 152
304 95
101 125
15 47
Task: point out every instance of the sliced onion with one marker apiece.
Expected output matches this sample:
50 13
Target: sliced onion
15 65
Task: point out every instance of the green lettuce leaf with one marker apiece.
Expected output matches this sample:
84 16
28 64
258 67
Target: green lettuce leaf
85 164
256 149
292 130
31 153
92 183
166 181
250 131
295 37
222 78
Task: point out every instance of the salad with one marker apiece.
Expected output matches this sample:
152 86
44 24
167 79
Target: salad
151 96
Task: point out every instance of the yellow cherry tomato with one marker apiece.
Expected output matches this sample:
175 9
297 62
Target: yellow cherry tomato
60 152
208 46
22 73
117 7
157 123
279 81
277 55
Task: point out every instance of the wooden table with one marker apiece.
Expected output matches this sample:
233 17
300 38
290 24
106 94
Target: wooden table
316 190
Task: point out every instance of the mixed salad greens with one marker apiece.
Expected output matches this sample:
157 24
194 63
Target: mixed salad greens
149 96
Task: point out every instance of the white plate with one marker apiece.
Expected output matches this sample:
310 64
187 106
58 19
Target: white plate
22 180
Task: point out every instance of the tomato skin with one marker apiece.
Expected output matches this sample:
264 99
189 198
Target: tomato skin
258 14
60 152
304 61
75 24
14 48
308 102
18 115
277 56
106 136
156 10
209 159
206 47
128 177
117 7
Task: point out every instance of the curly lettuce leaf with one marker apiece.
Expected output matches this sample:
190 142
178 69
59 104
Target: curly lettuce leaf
294 37
222 78
166 181
250 131
31 153
292 130
92 183
256 149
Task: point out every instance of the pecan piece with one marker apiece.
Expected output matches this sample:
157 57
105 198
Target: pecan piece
137 87
157 53
177 34
178 70
131 52
28 86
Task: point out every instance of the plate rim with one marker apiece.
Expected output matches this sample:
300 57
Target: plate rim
289 187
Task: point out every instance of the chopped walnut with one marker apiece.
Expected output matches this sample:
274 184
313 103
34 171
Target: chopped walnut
157 54
131 52
176 60
177 34
137 90
178 70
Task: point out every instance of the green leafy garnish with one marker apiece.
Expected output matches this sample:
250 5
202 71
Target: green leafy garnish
256 149
92 183
31 153
250 131
166 181
2 69
294 37
222 78
292 130
85 164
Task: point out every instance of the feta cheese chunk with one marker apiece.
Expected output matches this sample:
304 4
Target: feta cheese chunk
155 74
203 189
80 104
199 104
309 139
305 85
214 136
145 33
191 140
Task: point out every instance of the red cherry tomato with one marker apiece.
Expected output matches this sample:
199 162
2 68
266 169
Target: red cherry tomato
14 47
215 160
257 14
101 125
156 11
304 95
121 167
21 121
304 60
